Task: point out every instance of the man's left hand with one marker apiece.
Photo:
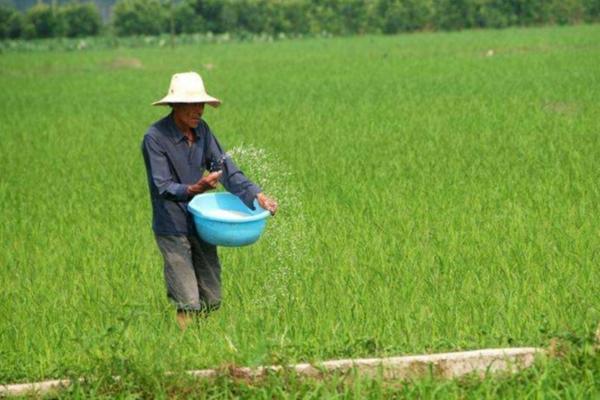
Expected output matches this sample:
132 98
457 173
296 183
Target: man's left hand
268 204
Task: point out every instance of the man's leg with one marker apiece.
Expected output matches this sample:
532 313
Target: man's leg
180 276
208 273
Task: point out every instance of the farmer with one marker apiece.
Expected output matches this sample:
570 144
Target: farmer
177 150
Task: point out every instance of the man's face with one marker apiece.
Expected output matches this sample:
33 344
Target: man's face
188 114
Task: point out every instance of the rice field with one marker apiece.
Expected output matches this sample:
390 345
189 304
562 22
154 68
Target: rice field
438 192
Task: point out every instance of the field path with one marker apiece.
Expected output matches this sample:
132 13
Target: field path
443 365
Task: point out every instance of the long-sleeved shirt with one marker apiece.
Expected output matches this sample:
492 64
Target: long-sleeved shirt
172 165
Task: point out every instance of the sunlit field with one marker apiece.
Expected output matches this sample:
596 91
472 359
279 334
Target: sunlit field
438 192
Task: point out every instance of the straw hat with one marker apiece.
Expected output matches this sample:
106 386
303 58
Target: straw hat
187 87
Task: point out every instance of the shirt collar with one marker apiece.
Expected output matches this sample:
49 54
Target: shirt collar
174 133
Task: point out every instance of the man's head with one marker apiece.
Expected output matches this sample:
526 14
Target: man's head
187 115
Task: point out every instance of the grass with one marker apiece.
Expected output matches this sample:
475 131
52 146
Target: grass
433 198
568 378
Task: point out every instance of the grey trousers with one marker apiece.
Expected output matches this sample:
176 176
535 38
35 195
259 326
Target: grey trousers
192 272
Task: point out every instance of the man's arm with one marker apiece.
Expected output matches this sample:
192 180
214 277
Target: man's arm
158 168
208 182
267 203
159 172
233 179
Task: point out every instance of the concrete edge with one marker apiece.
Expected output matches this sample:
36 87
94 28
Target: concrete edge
444 365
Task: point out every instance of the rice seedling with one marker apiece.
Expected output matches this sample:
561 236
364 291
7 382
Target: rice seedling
435 196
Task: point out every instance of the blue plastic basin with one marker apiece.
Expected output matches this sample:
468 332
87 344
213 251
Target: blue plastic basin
223 220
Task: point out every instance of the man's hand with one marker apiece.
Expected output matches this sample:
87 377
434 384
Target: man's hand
207 182
268 204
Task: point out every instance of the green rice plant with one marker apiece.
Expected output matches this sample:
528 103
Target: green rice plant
438 192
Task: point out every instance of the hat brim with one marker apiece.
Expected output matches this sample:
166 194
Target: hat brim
170 99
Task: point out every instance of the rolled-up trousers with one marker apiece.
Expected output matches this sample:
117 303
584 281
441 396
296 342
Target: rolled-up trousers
192 272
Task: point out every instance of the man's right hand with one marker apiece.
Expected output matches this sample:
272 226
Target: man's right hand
207 182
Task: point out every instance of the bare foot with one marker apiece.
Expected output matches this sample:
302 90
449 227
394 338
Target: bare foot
183 319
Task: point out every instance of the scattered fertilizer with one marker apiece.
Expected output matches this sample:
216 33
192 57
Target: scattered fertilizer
287 239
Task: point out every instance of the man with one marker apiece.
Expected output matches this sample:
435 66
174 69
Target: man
177 150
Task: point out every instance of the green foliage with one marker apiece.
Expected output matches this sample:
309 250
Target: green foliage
81 19
11 23
566 12
592 10
212 12
294 17
140 17
493 14
43 21
403 15
290 17
47 21
344 17
460 14
186 18
452 14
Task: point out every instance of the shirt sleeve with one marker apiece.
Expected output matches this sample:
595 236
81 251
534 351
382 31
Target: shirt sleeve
233 178
159 172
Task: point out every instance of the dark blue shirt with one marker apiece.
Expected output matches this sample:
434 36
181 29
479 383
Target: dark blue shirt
172 165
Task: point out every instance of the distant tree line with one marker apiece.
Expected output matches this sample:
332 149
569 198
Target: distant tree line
340 17
43 20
